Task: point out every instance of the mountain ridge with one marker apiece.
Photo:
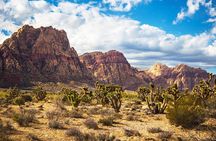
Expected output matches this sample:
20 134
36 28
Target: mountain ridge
44 54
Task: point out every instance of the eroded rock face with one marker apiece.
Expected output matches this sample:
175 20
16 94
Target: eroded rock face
111 67
182 75
41 54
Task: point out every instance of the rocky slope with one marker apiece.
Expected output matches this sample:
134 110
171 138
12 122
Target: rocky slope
184 76
41 54
111 67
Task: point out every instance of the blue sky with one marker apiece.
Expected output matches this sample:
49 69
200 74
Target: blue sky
146 31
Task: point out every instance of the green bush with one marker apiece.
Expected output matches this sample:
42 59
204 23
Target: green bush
186 114
19 101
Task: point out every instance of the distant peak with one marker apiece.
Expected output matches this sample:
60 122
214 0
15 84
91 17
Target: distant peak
158 69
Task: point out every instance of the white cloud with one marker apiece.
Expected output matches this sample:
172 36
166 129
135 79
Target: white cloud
192 7
88 29
123 5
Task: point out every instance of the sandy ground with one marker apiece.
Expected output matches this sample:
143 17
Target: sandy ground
143 121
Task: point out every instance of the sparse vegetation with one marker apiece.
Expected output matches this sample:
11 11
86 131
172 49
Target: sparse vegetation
181 107
55 124
19 101
130 132
91 124
154 130
39 93
106 121
25 117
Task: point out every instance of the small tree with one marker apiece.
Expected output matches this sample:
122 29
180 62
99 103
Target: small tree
143 93
115 100
204 90
73 96
101 94
156 100
109 94
86 94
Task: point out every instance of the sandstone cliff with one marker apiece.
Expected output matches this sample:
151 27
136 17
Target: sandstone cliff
41 54
111 67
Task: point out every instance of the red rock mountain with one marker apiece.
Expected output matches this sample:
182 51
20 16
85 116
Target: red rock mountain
182 75
41 54
111 67
44 55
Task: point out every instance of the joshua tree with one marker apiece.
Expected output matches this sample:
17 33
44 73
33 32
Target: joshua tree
143 92
109 94
73 96
156 100
204 90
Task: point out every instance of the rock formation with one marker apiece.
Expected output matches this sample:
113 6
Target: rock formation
41 54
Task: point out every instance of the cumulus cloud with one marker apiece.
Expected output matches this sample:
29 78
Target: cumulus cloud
88 29
192 7
123 5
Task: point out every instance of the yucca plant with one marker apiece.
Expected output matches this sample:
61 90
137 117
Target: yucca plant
204 90
72 96
156 100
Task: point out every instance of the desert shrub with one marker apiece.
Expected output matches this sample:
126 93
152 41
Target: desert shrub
32 137
12 94
76 133
91 124
4 128
39 93
165 135
130 132
131 117
25 117
27 97
53 114
55 124
154 130
106 121
59 103
185 113
106 137
19 101
75 113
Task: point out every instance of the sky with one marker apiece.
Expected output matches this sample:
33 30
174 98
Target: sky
171 32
